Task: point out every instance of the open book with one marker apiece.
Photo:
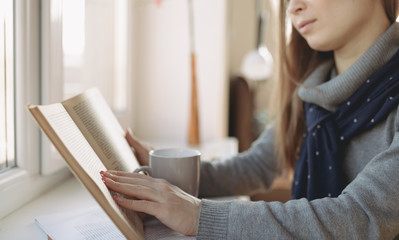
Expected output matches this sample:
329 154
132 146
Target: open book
88 136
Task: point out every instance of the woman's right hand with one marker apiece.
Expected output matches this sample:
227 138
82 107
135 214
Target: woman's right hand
140 149
172 206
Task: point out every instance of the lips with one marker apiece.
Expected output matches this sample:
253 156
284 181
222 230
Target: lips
305 25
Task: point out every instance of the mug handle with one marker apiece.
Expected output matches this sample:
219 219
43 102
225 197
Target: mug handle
146 170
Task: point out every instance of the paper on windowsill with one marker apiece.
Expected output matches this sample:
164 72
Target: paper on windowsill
93 223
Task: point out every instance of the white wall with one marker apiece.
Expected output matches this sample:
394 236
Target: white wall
103 29
162 72
242 28
243 37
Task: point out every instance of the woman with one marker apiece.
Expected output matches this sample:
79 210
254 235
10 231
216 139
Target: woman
336 124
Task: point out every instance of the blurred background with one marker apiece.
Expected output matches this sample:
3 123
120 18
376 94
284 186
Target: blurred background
164 66
138 54
167 68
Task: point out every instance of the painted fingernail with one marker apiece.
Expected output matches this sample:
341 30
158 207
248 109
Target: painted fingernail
101 173
115 197
103 178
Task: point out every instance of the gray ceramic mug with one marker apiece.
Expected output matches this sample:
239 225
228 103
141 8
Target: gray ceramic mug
179 166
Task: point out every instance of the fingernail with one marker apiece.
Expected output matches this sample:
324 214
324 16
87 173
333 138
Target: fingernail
115 197
101 173
103 178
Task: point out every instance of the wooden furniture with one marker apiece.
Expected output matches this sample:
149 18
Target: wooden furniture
241 114
280 191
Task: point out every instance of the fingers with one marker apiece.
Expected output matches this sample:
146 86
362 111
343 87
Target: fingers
137 190
140 149
131 139
179 215
137 185
132 178
113 173
175 208
138 205
126 177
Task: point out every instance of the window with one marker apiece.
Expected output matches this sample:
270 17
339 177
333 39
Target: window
43 61
7 137
22 180
86 43
96 55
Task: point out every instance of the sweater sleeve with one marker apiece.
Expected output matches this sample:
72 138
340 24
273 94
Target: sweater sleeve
242 174
367 209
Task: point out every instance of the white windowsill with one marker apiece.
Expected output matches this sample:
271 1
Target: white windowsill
18 187
69 195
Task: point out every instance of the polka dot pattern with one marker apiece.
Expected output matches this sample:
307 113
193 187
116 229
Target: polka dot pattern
317 171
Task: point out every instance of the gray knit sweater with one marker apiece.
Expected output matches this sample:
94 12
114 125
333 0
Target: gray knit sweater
368 207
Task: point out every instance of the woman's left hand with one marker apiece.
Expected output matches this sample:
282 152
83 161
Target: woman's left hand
168 203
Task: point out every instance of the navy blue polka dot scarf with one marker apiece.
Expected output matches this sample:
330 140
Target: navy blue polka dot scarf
318 171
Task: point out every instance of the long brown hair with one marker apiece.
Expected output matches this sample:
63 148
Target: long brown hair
296 60
391 9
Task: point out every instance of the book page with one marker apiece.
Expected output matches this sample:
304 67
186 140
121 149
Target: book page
81 224
93 223
84 163
102 130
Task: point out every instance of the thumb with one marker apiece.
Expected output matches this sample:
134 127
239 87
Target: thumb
130 137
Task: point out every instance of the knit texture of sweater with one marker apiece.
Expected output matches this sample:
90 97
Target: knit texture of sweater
368 207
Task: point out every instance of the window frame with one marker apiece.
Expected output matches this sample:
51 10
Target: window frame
7 151
23 183
38 72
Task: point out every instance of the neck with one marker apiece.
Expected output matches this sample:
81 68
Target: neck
348 54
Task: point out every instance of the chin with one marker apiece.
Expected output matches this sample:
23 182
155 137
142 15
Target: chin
319 43
320 47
